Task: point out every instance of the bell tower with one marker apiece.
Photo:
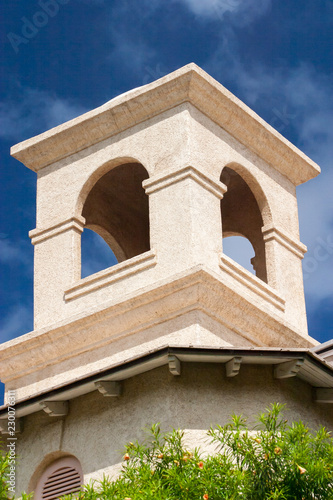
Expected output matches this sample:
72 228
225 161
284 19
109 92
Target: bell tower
176 331
162 173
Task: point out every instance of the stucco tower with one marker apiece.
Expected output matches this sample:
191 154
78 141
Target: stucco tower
163 173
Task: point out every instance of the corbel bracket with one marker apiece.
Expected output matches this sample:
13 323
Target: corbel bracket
323 395
109 388
55 408
288 369
233 366
8 427
174 365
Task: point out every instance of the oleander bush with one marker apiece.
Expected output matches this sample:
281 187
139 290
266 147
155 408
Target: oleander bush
277 460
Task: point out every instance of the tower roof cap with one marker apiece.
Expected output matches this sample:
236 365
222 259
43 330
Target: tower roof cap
187 84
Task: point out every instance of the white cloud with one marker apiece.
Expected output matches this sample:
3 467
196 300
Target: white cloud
14 253
245 10
17 322
133 54
34 111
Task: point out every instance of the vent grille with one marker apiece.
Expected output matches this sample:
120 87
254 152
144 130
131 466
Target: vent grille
63 481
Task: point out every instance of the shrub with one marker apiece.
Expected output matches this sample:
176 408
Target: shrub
277 461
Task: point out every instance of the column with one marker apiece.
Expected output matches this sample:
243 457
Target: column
284 273
57 265
185 218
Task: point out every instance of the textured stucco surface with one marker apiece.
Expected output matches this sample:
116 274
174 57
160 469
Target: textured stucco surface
185 224
184 153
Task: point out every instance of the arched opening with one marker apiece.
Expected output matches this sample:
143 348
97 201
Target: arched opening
96 254
116 209
241 216
240 250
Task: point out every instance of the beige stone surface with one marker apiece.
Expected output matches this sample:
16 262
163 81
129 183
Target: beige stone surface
188 303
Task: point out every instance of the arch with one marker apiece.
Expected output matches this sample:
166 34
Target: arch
244 212
109 239
254 186
71 479
115 206
96 175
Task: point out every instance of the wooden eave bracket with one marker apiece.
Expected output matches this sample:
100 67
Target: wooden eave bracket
109 388
233 366
55 408
288 369
323 395
174 365
7 427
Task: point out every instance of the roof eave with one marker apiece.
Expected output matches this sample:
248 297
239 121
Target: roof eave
312 369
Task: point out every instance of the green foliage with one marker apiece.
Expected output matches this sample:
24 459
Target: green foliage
279 461
4 463
276 461
5 493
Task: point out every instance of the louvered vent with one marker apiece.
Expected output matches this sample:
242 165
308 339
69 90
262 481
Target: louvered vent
63 481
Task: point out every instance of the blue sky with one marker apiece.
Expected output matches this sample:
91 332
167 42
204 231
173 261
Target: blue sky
61 58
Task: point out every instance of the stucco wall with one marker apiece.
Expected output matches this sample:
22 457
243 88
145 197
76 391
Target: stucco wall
97 427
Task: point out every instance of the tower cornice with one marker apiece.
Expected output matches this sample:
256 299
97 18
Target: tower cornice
187 84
